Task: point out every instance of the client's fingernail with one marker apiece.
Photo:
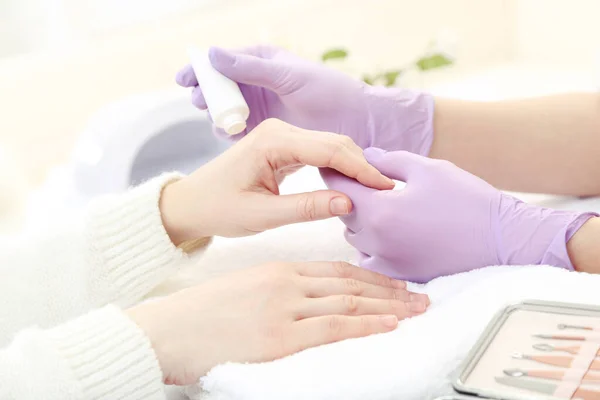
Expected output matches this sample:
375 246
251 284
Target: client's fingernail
417 307
339 206
418 297
391 321
399 284
389 181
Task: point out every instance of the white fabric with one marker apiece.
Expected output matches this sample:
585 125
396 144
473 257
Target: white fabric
412 362
58 337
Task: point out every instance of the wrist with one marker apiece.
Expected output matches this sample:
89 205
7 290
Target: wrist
147 317
173 213
103 341
534 235
584 247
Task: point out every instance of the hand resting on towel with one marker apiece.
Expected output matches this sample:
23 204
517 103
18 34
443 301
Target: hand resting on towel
268 312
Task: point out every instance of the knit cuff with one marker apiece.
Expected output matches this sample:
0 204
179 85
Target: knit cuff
109 356
130 247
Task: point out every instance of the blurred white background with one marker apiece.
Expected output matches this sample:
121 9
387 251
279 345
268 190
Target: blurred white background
62 60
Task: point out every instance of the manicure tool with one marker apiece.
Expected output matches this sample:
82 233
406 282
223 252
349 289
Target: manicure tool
549 347
559 361
547 374
546 388
568 337
567 326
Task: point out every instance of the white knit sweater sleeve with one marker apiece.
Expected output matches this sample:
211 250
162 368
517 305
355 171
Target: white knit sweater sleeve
62 333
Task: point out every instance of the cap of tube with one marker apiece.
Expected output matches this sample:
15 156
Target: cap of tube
234 124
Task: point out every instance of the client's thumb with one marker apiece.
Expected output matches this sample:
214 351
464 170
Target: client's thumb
311 206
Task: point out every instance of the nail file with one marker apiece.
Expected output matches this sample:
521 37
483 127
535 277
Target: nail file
545 387
534 386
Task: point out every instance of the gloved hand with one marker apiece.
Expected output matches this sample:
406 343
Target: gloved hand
446 221
277 84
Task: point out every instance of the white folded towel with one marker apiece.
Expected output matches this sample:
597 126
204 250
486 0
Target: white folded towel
413 362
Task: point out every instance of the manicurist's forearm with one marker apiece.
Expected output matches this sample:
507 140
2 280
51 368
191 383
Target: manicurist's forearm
547 145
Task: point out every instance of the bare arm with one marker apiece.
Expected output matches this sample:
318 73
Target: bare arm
544 145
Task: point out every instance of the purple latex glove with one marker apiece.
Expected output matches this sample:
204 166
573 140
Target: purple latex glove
278 84
447 221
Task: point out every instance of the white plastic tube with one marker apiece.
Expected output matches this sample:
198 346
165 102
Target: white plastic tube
225 101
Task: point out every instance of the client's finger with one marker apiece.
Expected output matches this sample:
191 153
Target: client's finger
329 150
323 287
302 207
357 305
312 332
339 269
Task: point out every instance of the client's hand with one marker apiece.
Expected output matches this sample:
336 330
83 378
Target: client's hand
237 193
446 221
267 312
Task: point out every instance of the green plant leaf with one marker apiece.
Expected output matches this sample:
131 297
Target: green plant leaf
391 77
334 54
368 80
433 61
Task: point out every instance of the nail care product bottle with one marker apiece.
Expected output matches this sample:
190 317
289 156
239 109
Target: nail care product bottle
225 101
